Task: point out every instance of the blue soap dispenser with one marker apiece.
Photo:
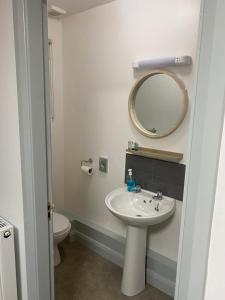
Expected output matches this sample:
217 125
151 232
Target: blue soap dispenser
130 181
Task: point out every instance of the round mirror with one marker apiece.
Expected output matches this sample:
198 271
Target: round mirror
158 104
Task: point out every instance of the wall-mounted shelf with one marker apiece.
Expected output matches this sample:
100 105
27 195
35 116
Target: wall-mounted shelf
157 154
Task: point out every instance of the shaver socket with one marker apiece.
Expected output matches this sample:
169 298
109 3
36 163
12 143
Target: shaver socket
103 164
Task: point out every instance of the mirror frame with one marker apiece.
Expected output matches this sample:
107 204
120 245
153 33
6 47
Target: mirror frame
132 98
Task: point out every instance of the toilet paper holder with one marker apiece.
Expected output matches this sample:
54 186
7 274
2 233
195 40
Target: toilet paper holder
87 162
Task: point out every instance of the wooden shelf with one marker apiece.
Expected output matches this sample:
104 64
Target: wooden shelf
157 154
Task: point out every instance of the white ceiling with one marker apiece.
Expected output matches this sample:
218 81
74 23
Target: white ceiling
76 6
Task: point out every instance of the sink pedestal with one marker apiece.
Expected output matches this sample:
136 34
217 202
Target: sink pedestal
138 211
133 281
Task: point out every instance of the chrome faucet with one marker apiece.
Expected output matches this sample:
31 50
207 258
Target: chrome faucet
158 196
137 189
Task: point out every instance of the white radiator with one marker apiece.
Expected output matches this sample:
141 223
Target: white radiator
8 288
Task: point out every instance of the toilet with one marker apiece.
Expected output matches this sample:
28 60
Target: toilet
61 228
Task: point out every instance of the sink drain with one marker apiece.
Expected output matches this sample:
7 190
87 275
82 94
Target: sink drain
139 216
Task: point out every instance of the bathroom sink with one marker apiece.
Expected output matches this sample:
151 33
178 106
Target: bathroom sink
139 209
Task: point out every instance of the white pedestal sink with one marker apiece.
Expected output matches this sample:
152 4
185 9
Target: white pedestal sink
138 211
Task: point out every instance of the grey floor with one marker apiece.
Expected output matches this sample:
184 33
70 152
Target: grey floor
84 275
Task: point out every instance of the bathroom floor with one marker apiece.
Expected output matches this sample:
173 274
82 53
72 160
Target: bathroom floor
84 275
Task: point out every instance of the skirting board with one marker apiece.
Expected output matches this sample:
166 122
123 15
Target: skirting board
160 273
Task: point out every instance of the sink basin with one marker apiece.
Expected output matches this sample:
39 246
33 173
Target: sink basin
139 208
138 211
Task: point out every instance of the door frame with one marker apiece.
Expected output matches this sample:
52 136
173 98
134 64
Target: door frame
202 164
29 32
206 127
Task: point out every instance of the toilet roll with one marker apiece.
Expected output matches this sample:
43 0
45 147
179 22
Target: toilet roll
87 170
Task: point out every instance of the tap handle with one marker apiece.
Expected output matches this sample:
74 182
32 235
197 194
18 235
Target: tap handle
138 188
158 196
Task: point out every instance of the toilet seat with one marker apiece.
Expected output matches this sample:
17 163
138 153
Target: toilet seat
60 224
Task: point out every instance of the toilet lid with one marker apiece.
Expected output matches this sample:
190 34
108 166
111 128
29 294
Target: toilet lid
60 223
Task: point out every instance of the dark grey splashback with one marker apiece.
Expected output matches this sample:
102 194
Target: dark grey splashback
157 175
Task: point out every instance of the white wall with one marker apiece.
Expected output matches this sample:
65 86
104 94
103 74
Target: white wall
11 201
55 34
99 46
216 264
